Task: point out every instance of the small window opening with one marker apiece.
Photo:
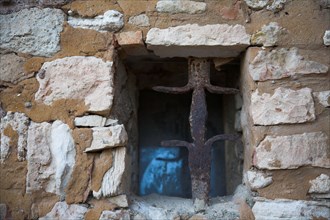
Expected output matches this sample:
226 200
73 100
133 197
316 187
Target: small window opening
161 116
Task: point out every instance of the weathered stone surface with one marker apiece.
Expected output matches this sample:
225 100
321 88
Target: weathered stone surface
97 207
326 38
130 38
258 179
78 189
276 6
12 70
120 201
218 40
10 6
320 185
290 209
90 121
293 151
108 137
91 8
34 31
256 4
103 162
51 157
71 78
181 6
61 210
141 20
3 211
268 36
112 180
323 97
282 63
118 214
284 106
9 125
292 183
110 21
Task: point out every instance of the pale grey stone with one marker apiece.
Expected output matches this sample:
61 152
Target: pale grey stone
61 210
110 21
276 6
218 40
111 121
281 209
292 151
326 38
323 97
34 31
118 214
141 20
12 70
120 201
285 106
256 4
258 179
268 36
71 78
108 137
51 157
90 121
19 122
238 126
281 63
3 211
112 179
320 184
180 6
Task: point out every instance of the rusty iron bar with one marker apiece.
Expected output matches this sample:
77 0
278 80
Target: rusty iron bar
199 150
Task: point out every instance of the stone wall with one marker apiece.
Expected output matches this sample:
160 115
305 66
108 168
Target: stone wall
68 104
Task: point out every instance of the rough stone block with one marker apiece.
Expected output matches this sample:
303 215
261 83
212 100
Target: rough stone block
81 78
285 106
293 151
258 179
290 209
256 4
141 20
118 214
112 180
108 137
12 70
323 97
110 21
11 123
326 38
218 40
51 157
90 121
34 31
268 36
61 210
130 38
181 6
120 201
282 63
320 184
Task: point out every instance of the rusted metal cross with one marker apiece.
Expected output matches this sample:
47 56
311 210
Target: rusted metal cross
199 149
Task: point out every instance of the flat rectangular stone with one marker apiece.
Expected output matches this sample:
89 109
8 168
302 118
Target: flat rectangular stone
90 121
290 210
108 137
293 151
285 106
218 40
